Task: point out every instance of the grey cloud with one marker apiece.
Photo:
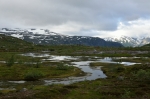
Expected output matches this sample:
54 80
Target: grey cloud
95 14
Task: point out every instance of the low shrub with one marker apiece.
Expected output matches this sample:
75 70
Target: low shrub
10 61
33 75
119 69
37 64
143 75
63 67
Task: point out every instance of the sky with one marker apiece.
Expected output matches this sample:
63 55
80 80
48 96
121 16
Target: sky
97 18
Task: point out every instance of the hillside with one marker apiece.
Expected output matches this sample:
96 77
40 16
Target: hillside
14 44
147 45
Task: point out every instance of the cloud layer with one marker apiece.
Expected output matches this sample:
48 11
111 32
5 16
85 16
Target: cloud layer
79 17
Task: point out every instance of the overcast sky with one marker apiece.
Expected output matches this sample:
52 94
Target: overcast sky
102 18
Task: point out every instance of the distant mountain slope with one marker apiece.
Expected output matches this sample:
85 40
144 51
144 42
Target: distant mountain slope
130 41
11 43
147 45
145 40
46 37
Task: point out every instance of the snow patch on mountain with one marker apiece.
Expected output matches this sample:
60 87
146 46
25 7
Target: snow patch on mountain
28 31
129 41
17 36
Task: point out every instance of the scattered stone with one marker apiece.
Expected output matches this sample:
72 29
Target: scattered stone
24 89
120 78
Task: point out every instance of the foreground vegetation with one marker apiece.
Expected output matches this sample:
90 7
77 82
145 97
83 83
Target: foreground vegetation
122 82
19 67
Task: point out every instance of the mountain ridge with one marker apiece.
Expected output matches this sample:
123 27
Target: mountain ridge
129 41
47 37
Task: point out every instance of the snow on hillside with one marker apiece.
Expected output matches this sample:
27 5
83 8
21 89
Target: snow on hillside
31 30
130 41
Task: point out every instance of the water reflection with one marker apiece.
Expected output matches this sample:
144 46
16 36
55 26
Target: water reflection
92 74
36 54
60 58
128 63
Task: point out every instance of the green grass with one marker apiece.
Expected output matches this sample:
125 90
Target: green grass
110 88
19 72
130 87
131 59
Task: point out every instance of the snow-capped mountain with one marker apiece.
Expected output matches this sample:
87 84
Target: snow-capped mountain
20 33
47 37
130 41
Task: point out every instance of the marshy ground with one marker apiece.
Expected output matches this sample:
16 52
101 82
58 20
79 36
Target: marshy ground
122 81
